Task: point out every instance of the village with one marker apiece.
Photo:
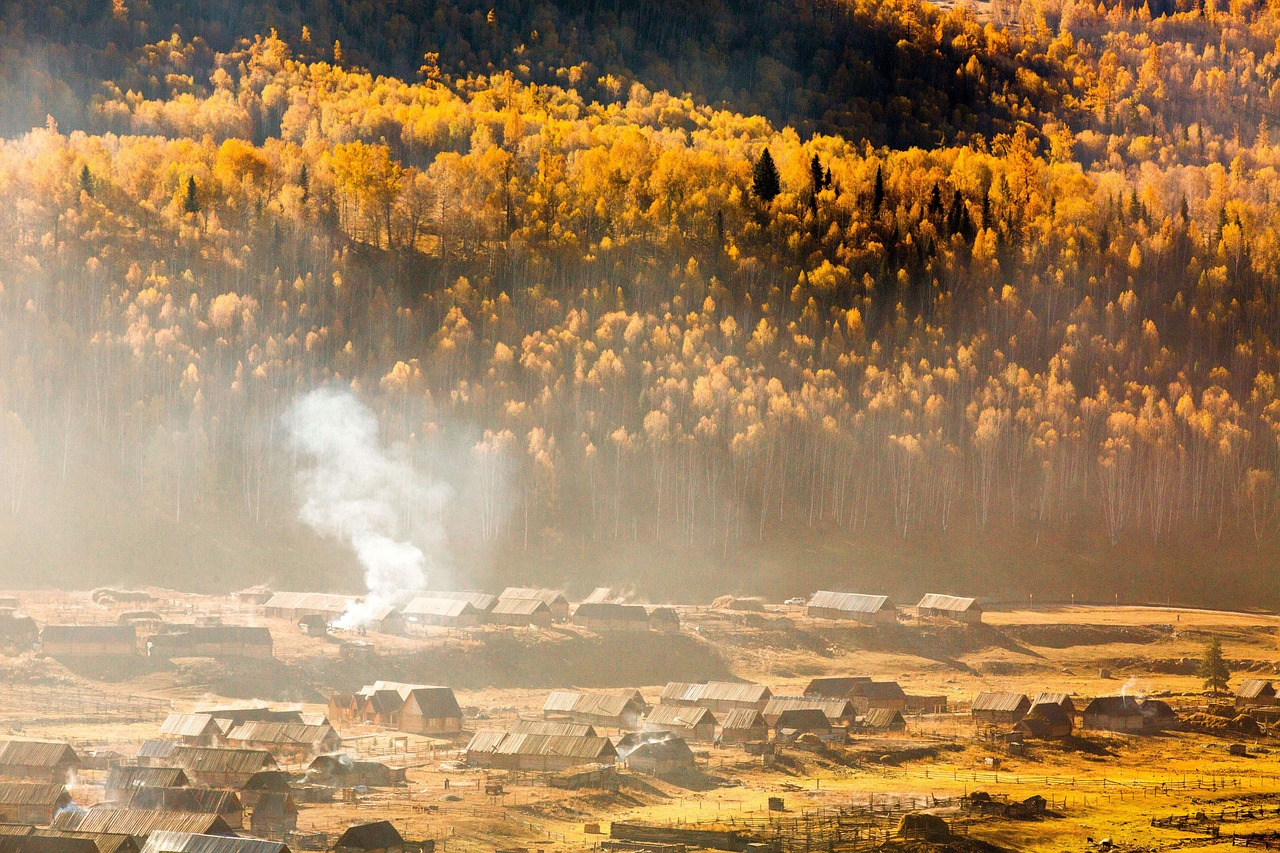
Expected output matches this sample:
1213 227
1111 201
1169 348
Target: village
838 721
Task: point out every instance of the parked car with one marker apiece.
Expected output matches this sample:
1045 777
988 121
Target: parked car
797 601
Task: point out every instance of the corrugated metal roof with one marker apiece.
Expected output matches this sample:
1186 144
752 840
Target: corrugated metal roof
1046 698
157 748
38 843
125 777
728 691
999 701
1113 706
486 741
482 601
209 759
519 607
183 799
189 725
954 603
850 602
834 710
444 608
741 718
606 703
588 748
605 595
679 715
36 753
552 727
31 794
284 734
681 691
179 635
106 842
138 822
313 601
184 842
546 596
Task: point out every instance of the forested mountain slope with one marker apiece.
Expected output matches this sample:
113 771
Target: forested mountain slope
1041 359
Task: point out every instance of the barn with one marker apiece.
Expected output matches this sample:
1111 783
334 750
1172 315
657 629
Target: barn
192 729
430 710
878 694
604 617
295 605
288 738
32 802
1115 714
417 708
800 721
88 641
339 770
554 599
1046 721
139 823
840 687
60 841
998 708
839 712
688 723
426 611
216 767
274 812
1255 692
225 804
254 595
211 641
614 709
867 609
123 780
37 760
726 696
936 606
521 612
551 727
156 752
743 725
377 837
538 753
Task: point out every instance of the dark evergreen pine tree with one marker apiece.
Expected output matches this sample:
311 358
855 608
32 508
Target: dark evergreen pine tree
877 193
766 184
86 180
191 200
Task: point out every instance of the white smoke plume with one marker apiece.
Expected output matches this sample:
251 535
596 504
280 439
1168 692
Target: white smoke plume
355 490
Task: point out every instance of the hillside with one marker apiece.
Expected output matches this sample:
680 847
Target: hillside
1036 356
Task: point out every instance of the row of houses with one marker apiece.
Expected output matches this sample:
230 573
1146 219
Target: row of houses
1052 715
879 610
169 641
414 708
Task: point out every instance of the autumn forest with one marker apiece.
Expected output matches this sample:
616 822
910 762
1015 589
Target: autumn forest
698 298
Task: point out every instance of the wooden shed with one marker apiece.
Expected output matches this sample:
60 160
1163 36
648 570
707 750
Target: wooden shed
883 720
273 812
800 721
1062 700
216 767
604 617
123 780
667 754
839 712
555 601
743 725
936 606
426 611
88 641
615 709
538 753
521 612
376 837
689 723
998 708
37 760
32 802
1046 721
1255 692
1115 714
212 641
717 696
867 609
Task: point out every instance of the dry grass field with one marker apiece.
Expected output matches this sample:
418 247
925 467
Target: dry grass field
1098 785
